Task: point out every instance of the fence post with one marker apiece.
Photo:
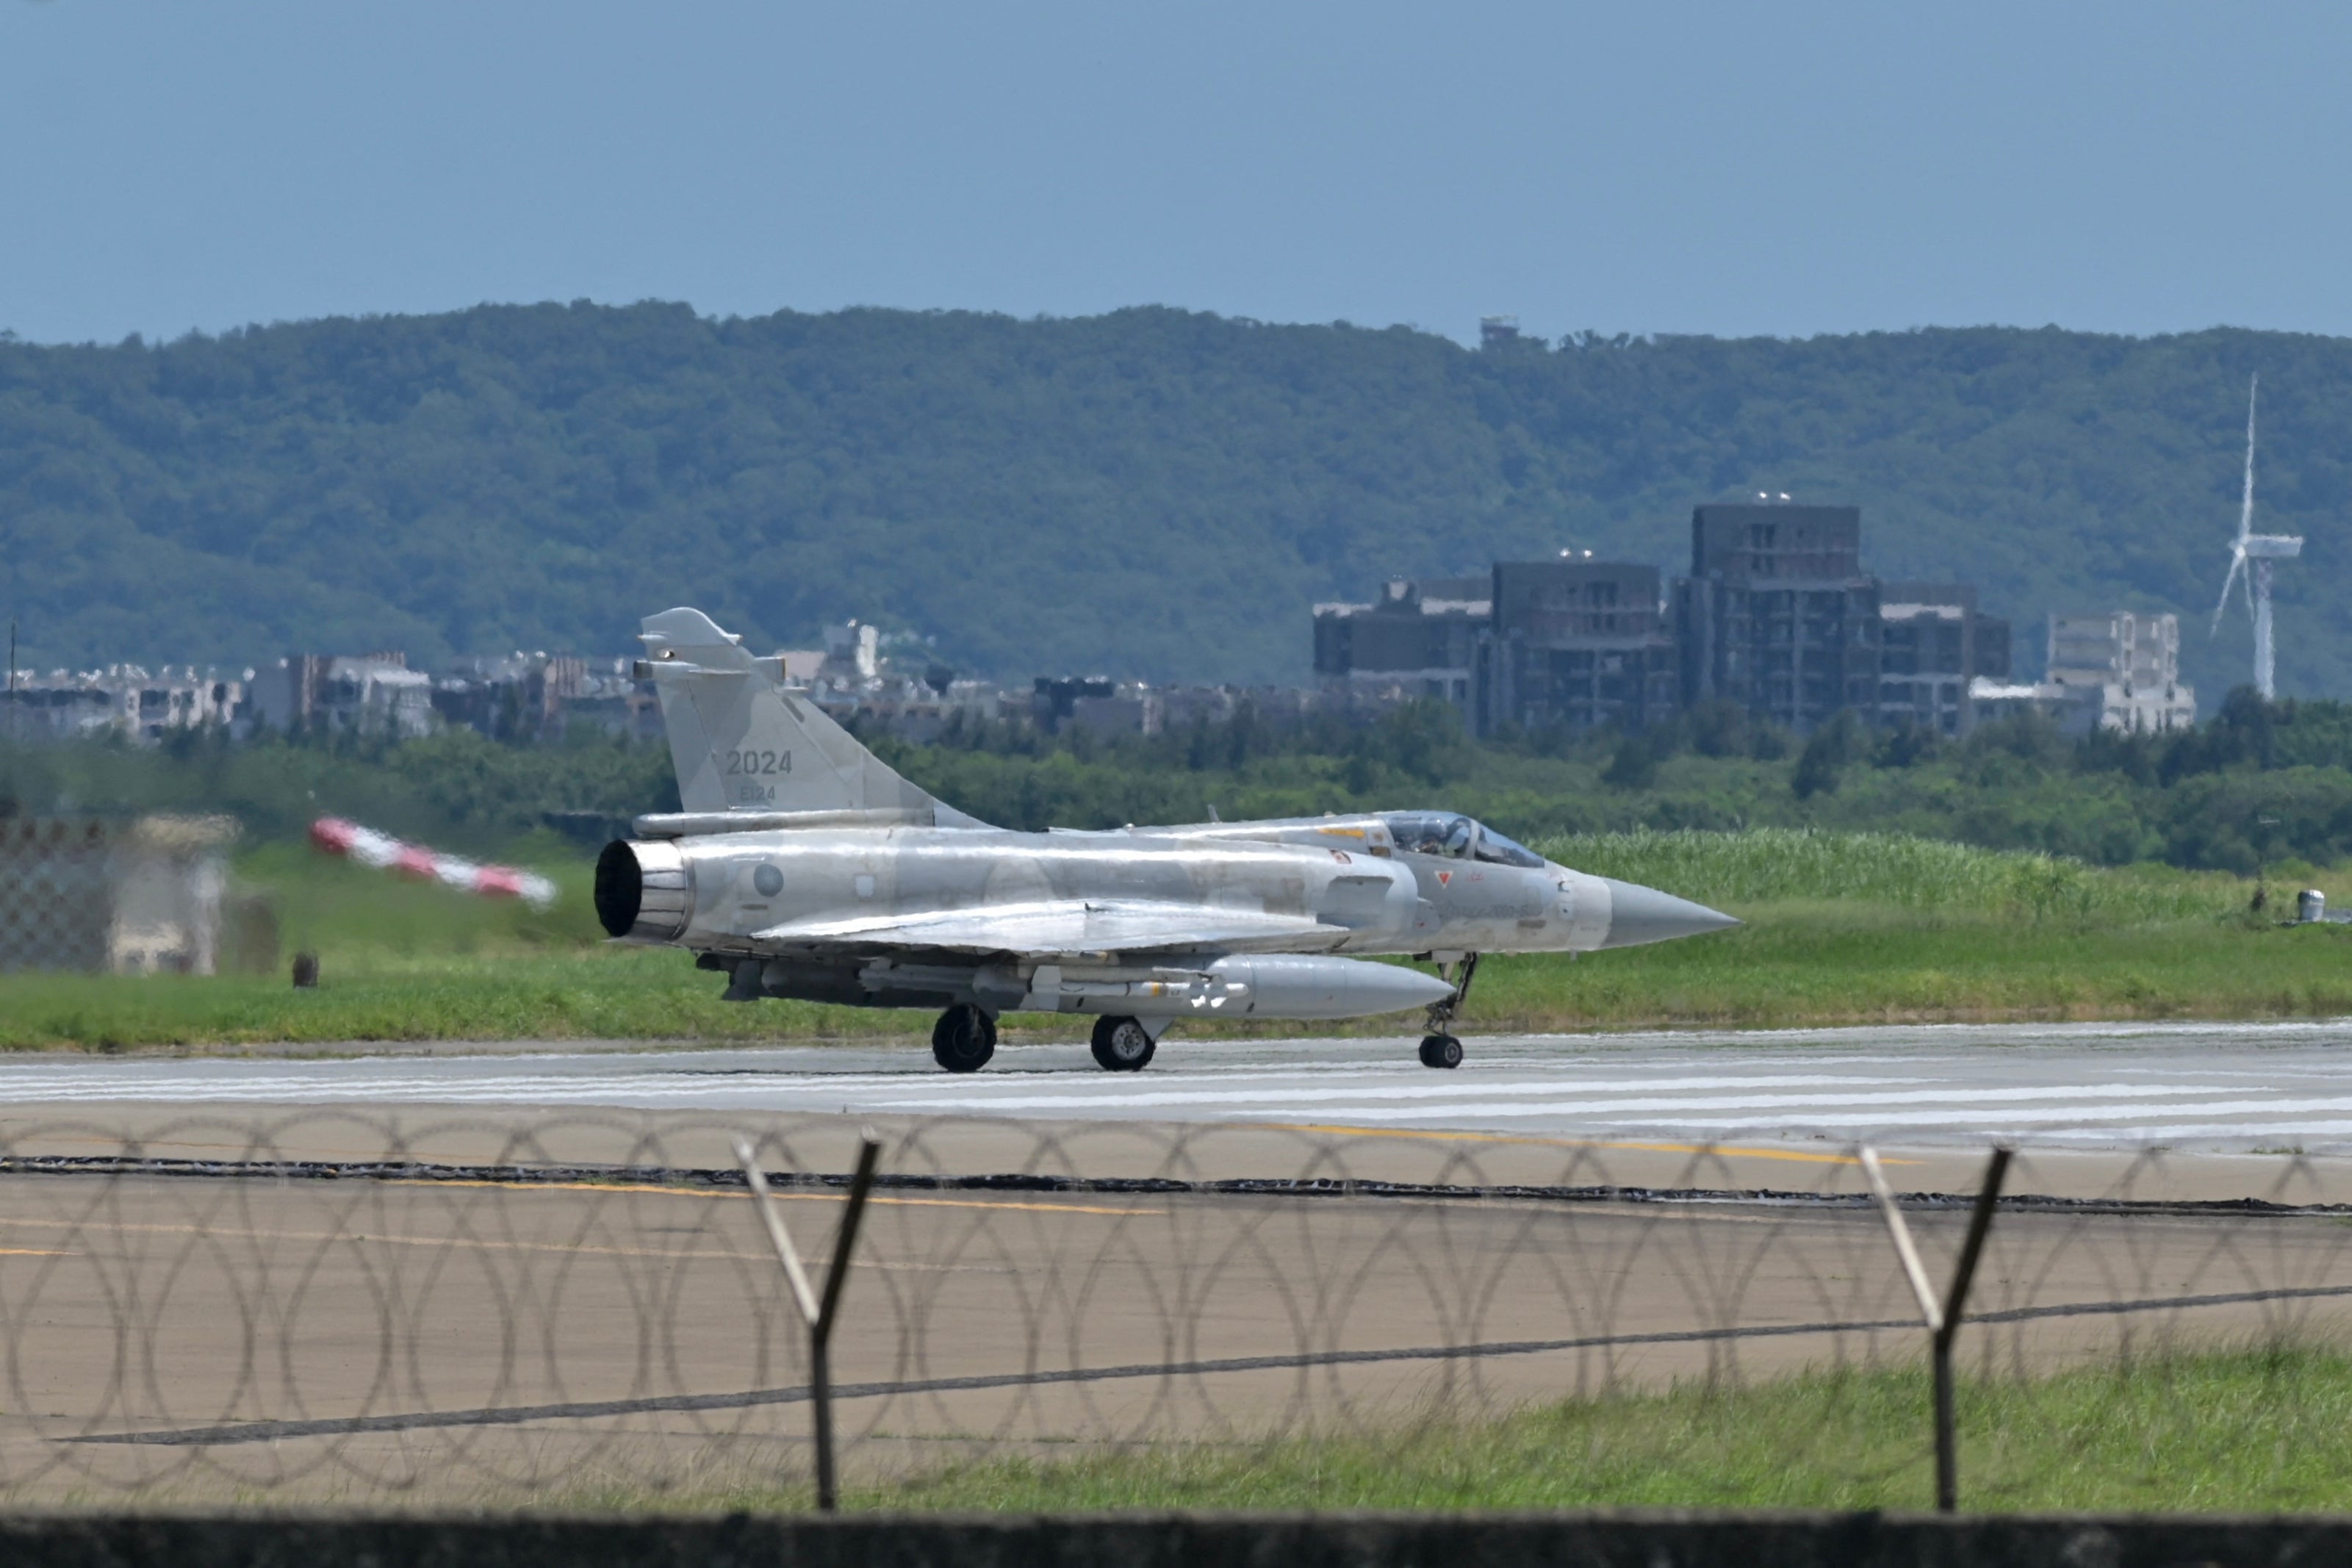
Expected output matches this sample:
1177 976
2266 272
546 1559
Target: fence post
1943 1319
817 1314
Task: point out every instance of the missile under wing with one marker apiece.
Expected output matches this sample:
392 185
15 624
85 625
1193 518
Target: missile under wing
801 865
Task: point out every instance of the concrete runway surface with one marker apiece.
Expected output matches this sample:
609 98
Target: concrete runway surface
2268 1087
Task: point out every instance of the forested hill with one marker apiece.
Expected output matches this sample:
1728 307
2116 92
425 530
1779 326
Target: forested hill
1150 492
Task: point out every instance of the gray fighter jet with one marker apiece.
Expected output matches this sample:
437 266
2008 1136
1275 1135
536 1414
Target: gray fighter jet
802 866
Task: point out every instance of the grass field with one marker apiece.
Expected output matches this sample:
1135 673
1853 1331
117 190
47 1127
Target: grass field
1778 865
1841 929
2253 1430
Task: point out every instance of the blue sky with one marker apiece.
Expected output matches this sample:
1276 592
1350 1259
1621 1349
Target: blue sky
1787 169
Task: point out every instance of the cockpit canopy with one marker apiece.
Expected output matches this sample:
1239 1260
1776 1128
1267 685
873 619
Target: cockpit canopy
1456 838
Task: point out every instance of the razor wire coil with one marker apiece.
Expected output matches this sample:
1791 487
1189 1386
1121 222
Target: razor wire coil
337 1306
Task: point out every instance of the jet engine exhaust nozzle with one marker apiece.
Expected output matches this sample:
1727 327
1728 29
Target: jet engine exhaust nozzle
1640 914
644 890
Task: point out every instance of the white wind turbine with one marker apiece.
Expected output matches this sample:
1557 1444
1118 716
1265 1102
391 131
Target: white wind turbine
2260 549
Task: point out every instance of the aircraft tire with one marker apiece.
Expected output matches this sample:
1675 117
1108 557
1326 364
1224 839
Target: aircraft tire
1117 1047
963 1039
1440 1051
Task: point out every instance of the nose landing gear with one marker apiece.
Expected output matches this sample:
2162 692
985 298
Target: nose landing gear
1439 1049
963 1039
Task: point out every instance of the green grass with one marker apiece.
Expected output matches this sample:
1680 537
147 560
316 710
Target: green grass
2248 1430
1797 964
652 995
332 906
1794 964
1868 927
1840 928
1776 865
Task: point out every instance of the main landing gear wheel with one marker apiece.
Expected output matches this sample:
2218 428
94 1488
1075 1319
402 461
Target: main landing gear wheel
963 1039
1123 1045
1440 1051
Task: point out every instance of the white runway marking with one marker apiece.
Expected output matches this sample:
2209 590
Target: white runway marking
2211 1086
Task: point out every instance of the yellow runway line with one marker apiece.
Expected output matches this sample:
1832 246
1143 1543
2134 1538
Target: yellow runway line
624 1187
459 1243
627 1187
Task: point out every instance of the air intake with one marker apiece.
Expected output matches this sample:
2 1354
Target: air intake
644 890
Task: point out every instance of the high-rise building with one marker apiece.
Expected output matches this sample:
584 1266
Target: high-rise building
1776 615
2120 670
1933 643
1420 638
1577 643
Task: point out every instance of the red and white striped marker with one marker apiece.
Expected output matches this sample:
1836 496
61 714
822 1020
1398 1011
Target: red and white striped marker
385 853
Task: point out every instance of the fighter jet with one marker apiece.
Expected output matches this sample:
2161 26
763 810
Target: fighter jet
802 866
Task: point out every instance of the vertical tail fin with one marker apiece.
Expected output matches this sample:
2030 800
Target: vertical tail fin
742 743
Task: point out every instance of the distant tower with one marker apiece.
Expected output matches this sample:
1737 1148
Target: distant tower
1492 330
2260 549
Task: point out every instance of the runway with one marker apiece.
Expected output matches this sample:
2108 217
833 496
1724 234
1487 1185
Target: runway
1248 1238
2227 1087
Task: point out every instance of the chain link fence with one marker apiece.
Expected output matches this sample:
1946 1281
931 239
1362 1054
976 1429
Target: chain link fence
583 1310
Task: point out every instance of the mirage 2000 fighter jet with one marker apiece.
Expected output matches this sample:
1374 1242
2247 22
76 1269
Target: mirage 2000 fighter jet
802 866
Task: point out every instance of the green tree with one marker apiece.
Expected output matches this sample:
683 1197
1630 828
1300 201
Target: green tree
1633 766
1831 748
1043 496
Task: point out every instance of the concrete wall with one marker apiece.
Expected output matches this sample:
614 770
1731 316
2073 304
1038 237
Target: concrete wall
1645 1539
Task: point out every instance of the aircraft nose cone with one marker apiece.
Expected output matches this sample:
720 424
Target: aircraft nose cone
1638 914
